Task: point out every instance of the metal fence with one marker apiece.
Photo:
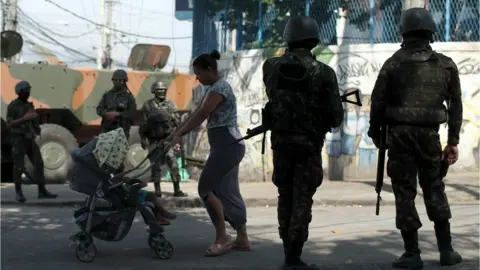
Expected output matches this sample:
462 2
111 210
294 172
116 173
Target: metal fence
248 24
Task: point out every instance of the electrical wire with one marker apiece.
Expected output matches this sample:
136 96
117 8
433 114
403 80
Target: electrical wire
58 43
32 21
32 43
113 29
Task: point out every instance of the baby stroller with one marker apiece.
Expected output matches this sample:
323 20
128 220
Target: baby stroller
113 222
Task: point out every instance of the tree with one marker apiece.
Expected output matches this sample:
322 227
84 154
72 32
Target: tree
278 12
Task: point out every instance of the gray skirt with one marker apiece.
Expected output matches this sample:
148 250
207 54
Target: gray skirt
220 175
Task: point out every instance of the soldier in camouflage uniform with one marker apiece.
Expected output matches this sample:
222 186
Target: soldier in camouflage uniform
117 106
409 97
23 124
304 104
159 118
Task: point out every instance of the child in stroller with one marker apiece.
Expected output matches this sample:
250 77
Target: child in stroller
93 171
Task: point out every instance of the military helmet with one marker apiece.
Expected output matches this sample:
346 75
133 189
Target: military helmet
415 19
301 28
22 85
120 74
158 85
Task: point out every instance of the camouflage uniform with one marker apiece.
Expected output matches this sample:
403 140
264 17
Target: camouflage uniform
159 117
22 139
408 96
304 103
120 100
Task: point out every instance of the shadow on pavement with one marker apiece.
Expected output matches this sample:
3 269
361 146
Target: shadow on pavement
378 251
36 238
466 188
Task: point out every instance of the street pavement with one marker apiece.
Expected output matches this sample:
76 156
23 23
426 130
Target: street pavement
341 237
460 187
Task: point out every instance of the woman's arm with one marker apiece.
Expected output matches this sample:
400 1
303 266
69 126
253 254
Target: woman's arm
209 104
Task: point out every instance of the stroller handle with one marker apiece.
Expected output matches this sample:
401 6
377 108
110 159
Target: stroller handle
133 177
156 151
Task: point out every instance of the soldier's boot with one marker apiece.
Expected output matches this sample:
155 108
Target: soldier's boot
175 173
292 257
158 190
43 193
411 258
19 193
448 256
176 190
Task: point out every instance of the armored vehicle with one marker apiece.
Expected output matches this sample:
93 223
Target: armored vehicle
66 98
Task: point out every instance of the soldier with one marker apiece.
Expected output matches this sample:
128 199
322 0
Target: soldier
304 104
159 118
408 97
117 106
23 125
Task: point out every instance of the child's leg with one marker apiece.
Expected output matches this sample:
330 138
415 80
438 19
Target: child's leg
159 209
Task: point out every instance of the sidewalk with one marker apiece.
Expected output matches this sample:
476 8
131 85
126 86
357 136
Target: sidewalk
460 188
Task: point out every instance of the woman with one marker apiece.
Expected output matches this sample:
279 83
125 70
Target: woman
218 184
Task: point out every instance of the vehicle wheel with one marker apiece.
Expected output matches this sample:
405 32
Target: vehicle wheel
164 249
154 239
56 143
136 154
86 252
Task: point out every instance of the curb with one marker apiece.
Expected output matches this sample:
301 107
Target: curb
175 203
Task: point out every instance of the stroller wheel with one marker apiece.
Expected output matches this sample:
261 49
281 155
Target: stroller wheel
86 251
154 239
164 249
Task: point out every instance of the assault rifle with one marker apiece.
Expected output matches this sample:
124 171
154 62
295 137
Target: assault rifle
380 166
261 129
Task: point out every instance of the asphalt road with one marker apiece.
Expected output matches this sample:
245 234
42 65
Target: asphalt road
340 238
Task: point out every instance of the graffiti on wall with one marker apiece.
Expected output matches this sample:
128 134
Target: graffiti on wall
348 151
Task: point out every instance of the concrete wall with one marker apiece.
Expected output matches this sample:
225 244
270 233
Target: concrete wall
348 152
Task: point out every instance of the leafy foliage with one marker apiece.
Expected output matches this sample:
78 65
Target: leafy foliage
280 10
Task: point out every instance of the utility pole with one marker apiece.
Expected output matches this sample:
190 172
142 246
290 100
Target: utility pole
101 35
105 46
11 23
108 33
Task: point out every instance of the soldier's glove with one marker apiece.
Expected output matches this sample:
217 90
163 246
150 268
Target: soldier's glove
375 137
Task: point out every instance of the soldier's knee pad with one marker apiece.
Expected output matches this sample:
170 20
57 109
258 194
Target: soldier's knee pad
299 232
439 212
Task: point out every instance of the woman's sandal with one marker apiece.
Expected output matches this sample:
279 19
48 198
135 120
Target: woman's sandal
219 249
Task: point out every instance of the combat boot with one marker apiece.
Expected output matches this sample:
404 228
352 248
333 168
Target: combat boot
176 190
411 258
293 252
448 256
43 193
158 190
19 193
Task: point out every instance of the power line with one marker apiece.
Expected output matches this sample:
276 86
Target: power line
32 21
110 28
59 43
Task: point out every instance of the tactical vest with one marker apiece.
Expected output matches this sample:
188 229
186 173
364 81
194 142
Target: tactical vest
296 104
27 128
417 89
119 102
159 121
